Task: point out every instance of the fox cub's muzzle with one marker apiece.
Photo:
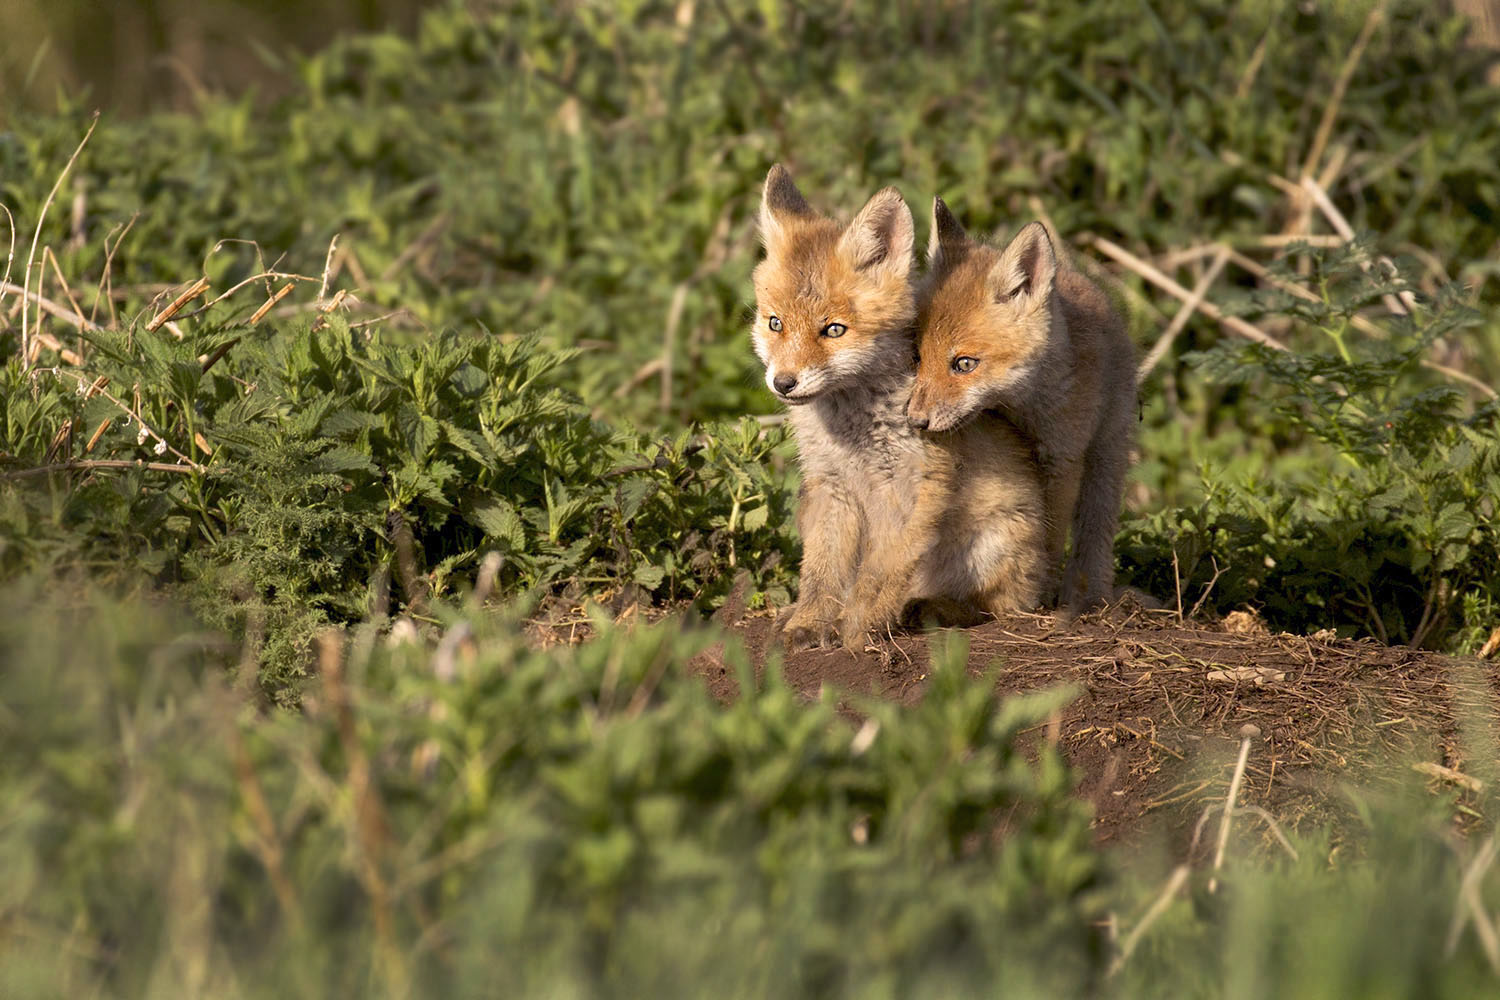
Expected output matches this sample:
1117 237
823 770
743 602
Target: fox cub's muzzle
917 413
926 416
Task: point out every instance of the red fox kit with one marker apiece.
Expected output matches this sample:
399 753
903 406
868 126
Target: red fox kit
1018 332
884 515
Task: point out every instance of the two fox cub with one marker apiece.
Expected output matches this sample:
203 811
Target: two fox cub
952 427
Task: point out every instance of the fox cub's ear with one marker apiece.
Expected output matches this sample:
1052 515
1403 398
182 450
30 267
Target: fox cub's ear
1026 268
947 239
779 202
881 235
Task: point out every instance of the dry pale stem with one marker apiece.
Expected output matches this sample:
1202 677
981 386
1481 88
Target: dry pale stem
49 257
99 463
1175 882
369 814
1234 794
1340 87
266 307
267 842
10 256
194 290
106 288
1448 774
1470 907
333 246
1140 267
1185 313
36 238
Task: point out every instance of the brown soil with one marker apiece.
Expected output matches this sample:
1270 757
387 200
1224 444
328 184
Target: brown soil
1156 728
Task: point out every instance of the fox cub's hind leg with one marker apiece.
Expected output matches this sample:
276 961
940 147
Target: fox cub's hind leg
1019 575
830 524
1089 581
1012 558
1061 486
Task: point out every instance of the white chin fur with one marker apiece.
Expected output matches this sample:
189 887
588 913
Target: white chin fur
810 385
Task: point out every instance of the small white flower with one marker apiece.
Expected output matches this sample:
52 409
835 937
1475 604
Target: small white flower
161 447
81 389
143 435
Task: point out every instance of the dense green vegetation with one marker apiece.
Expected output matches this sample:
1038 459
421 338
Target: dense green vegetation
351 477
530 341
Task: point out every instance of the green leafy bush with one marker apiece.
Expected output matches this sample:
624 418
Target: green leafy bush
347 476
1390 526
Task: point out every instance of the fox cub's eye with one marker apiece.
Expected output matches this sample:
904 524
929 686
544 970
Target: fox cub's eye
964 364
775 324
834 330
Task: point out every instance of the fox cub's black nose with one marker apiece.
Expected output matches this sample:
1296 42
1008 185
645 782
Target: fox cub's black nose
920 423
784 383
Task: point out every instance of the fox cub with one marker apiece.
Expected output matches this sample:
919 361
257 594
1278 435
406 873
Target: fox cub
886 514
1020 332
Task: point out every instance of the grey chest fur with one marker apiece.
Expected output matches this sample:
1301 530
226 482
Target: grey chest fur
861 444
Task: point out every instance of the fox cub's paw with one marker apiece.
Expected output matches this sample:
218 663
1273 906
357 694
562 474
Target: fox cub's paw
807 629
819 635
1050 595
857 631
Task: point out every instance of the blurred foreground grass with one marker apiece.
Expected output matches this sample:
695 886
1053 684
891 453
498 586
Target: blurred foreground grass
479 817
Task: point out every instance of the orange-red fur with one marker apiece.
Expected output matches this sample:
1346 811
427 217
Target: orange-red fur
887 515
1049 352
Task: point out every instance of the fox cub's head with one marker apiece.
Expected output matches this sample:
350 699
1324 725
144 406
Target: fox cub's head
834 305
985 316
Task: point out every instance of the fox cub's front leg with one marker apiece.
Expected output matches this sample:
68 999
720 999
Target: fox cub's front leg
831 527
886 577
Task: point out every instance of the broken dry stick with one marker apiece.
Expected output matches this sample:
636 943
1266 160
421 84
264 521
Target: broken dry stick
198 288
1248 732
1450 775
1232 323
1259 676
260 313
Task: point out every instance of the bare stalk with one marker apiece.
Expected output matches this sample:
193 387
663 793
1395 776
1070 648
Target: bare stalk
37 236
1234 794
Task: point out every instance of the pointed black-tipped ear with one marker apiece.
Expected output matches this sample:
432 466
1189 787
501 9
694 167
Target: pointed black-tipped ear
947 235
1026 269
780 201
881 235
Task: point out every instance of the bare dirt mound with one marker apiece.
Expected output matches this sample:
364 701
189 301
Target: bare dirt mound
1155 731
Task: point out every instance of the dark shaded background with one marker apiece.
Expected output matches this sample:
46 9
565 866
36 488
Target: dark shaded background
140 55
131 56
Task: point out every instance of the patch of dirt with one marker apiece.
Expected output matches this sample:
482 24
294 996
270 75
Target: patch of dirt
1155 731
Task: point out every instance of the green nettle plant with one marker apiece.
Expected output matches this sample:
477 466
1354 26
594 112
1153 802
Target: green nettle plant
1396 534
333 476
